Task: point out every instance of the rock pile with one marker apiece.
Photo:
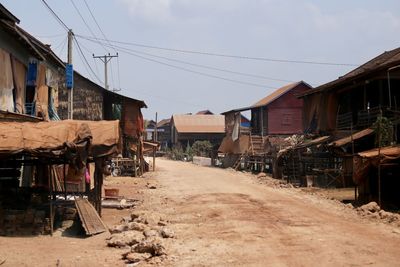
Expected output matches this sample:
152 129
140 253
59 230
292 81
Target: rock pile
142 239
262 178
372 210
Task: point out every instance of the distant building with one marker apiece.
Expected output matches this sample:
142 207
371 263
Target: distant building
190 128
204 112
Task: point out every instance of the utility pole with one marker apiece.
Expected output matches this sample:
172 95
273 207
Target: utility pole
106 59
70 89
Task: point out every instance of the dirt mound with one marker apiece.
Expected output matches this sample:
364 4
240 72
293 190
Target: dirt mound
373 211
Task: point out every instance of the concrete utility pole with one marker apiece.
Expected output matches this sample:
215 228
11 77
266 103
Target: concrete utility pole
70 107
105 59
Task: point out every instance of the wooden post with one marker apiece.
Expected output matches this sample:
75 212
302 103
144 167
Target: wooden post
50 180
65 182
154 159
98 175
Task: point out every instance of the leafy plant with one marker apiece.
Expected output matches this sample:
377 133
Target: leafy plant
384 131
202 148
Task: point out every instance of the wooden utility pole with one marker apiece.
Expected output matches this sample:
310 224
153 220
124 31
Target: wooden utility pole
70 107
106 59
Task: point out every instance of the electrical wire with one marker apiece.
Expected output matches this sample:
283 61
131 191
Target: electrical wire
198 72
230 56
56 16
85 60
105 37
202 66
84 22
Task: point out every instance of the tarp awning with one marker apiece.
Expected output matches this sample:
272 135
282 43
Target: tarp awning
53 138
349 139
389 152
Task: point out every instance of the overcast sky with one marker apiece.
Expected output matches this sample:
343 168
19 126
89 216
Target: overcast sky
340 31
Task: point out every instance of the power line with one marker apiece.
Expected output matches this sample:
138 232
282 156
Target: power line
84 22
203 66
105 37
85 60
231 56
55 15
198 72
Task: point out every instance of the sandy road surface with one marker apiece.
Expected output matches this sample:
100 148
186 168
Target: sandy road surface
225 218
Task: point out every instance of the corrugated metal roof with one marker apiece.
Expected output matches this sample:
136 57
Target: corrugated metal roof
276 94
381 62
199 123
271 97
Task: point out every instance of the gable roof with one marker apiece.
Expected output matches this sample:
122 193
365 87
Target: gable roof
163 122
6 14
205 112
276 94
271 97
381 62
199 123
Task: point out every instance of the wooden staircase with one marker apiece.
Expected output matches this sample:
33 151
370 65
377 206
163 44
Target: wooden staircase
236 165
256 145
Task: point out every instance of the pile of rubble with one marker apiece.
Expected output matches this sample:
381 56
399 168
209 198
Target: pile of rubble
262 178
142 240
372 210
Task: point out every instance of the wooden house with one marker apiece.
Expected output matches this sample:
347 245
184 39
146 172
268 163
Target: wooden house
273 118
360 112
186 129
30 73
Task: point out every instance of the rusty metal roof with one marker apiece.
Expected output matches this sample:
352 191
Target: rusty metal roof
387 152
199 123
271 97
382 62
276 94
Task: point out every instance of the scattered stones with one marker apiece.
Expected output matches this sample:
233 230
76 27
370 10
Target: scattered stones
150 233
124 239
137 226
152 246
162 223
261 175
119 229
167 233
370 207
133 257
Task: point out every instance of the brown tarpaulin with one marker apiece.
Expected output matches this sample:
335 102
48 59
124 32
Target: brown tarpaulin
42 94
52 138
132 119
6 82
19 73
240 146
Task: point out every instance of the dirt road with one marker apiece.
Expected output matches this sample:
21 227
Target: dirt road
226 218
223 218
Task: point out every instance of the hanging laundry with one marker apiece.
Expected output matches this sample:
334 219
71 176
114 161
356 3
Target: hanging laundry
6 82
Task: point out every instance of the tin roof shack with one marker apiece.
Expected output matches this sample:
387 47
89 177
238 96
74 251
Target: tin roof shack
355 110
44 159
30 72
354 100
376 174
186 129
273 118
93 102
